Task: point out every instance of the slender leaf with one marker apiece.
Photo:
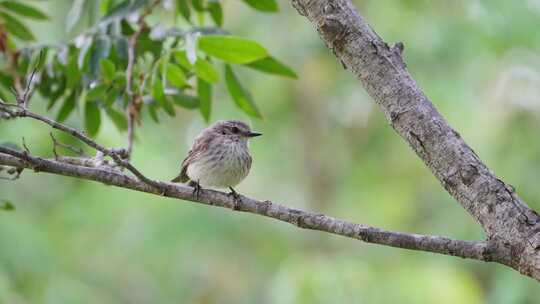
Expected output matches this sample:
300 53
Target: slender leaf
168 107
269 6
15 27
92 118
175 76
101 49
216 12
206 71
242 98
271 65
6 205
83 52
23 10
73 74
74 14
97 92
158 90
67 108
182 60
121 46
204 91
183 9
153 113
158 93
117 118
198 5
108 69
232 49
185 101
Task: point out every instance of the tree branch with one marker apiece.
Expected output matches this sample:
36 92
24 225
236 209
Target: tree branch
436 244
505 218
117 155
133 107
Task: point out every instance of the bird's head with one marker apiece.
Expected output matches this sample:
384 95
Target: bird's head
234 130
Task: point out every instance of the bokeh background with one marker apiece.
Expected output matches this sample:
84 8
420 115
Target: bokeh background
326 148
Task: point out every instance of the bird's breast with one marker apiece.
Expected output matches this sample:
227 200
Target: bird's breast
221 166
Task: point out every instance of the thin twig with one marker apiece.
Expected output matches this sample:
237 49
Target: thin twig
27 91
25 146
57 143
118 155
302 219
132 110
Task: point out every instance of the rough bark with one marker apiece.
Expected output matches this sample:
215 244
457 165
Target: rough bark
508 222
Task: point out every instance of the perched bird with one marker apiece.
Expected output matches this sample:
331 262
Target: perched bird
219 157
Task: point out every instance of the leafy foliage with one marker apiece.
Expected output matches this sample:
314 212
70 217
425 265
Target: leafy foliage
172 66
6 205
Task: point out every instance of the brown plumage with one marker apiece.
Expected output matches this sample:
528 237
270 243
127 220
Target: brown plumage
219 156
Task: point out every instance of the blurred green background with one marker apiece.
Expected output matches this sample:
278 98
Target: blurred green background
326 148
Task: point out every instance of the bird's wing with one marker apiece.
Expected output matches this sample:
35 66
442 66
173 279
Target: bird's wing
199 147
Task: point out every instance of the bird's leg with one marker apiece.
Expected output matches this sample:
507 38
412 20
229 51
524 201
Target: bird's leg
196 188
236 197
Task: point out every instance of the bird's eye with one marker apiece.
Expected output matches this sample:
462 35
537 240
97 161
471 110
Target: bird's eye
235 130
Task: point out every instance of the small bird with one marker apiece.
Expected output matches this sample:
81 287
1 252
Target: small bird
219 157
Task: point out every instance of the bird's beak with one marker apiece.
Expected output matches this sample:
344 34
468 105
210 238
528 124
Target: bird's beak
253 134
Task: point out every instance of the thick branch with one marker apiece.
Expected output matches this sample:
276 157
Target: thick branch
437 244
505 218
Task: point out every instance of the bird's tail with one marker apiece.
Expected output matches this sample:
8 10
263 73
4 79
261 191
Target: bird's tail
177 179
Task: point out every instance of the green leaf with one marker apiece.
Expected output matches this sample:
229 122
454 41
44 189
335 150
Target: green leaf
269 6
97 92
158 93
6 205
183 9
92 118
117 118
239 95
168 107
101 49
185 101
23 10
121 46
181 59
110 97
216 12
198 5
73 74
271 65
158 90
204 91
15 27
146 44
126 7
83 53
153 113
232 49
67 108
108 69
175 76
206 71
74 14
6 80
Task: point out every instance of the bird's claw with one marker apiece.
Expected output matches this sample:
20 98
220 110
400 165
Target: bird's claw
236 198
196 189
